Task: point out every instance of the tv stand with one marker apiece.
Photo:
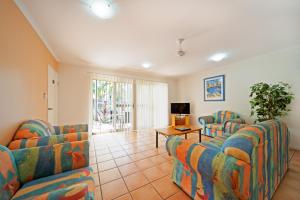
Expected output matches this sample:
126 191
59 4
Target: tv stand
177 120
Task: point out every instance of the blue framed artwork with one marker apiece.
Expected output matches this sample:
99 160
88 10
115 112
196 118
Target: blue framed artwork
214 88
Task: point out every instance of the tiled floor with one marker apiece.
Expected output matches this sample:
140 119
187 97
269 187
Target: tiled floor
127 166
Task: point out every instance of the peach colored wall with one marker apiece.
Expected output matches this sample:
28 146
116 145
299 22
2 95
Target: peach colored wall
24 63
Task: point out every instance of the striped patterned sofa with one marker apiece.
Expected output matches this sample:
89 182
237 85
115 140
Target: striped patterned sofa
46 173
248 164
215 124
34 133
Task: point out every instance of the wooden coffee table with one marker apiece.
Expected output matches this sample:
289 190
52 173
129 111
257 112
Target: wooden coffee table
171 131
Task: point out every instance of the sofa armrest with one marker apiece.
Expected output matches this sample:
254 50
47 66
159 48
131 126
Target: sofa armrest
228 175
47 141
206 120
37 162
70 128
78 191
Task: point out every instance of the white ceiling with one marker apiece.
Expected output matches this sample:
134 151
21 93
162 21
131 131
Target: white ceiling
147 30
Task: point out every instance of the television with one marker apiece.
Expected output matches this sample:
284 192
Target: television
180 108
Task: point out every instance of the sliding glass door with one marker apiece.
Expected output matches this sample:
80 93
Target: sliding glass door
113 99
112 105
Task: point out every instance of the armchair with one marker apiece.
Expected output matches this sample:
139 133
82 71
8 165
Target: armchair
214 125
49 172
33 133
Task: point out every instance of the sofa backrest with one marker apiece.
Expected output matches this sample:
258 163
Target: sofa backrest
9 181
33 128
244 141
71 129
36 162
222 116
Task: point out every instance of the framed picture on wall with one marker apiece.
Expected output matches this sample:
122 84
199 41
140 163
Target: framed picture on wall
214 88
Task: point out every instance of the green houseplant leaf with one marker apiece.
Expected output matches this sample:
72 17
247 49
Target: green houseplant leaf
269 101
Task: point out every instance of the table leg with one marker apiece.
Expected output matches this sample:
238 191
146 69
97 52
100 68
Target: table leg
156 139
199 135
185 136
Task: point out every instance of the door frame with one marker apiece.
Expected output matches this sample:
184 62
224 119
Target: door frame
52 71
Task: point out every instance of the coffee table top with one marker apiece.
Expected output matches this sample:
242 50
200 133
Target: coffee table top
172 131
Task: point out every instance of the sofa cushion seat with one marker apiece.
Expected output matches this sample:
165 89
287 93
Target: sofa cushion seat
216 142
51 184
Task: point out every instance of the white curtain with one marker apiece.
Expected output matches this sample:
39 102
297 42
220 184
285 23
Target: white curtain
151 104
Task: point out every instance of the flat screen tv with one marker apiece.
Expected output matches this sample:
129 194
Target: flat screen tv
180 108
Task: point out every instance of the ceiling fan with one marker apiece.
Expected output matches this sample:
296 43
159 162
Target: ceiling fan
180 51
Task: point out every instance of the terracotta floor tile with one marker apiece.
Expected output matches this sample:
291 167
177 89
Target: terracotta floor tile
123 160
166 167
135 181
116 148
146 192
179 196
109 175
113 189
154 173
124 197
102 152
144 164
105 157
106 165
98 195
128 169
165 187
137 156
119 154
157 159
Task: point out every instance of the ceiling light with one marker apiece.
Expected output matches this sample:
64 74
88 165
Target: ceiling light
146 65
218 57
103 8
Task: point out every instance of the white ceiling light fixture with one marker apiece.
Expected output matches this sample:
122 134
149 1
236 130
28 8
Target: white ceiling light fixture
218 57
147 65
105 9
180 51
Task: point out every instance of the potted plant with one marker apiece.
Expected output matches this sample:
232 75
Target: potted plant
269 101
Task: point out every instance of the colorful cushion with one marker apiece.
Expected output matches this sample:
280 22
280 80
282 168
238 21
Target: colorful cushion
52 185
31 129
37 162
9 182
242 144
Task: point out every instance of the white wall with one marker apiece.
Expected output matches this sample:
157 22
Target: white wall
74 83
283 65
